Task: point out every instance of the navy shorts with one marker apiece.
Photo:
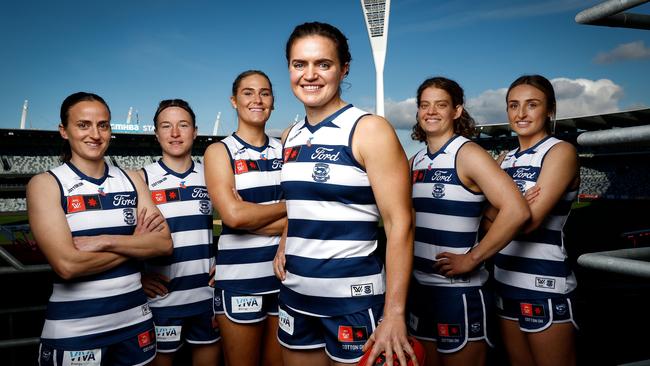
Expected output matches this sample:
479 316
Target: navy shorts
535 315
135 351
196 329
450 316
342 336
242 308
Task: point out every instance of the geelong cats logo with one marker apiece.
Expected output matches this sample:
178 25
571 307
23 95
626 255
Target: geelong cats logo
321 172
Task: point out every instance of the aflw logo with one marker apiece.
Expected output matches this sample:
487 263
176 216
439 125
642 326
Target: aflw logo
364 289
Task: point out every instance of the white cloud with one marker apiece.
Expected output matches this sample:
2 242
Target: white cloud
489 107
575 97
583 97
627 51
401 114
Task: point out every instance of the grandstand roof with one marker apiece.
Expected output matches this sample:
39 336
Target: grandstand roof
39 142
580 124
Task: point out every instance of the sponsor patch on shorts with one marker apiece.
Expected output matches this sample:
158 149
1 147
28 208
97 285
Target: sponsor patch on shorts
449 330
168 334
145 338
285 321
91 357
246 304
348 333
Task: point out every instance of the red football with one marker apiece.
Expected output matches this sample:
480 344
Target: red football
418 349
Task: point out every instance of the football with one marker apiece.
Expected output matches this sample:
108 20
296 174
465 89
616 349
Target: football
418 349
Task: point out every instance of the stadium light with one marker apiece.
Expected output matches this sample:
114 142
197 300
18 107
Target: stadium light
376 14
23 116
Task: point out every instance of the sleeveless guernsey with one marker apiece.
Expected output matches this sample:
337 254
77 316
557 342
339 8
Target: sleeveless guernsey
535 265
447 215
183 200
105 308
332 221
245 260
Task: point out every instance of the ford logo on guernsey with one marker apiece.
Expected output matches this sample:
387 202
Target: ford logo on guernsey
324 153
200 193
524 173
124 200
321 172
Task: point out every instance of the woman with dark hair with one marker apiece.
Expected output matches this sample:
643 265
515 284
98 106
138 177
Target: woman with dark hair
535 283
343 168
243 179
177 285
452 179
93 221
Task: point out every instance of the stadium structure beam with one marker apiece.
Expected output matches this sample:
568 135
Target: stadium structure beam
609 14
615 136
376 13
631 262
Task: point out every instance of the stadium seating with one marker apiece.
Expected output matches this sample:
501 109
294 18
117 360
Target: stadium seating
13 204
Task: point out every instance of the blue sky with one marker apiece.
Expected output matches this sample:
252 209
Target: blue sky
135 53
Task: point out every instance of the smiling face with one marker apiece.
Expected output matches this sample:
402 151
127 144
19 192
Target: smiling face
88 130
253 100
315 72
436 112
528 111
175 132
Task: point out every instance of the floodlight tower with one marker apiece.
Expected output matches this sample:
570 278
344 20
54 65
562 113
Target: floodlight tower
376 13
215 129
23 116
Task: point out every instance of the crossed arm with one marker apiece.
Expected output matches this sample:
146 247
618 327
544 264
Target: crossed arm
52 233
267 219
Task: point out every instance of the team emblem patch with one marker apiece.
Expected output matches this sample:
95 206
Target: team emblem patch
129 216
521 184
84 203
245 166
165 195
413 321
438 190
532 310
561 309
321 173
146 338
291 153
475 327
448 330
348 333
418 176
204 207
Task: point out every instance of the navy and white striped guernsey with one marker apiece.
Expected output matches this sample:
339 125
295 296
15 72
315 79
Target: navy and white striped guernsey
245 260
535 265
109 307
183 200
447 215
332 221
